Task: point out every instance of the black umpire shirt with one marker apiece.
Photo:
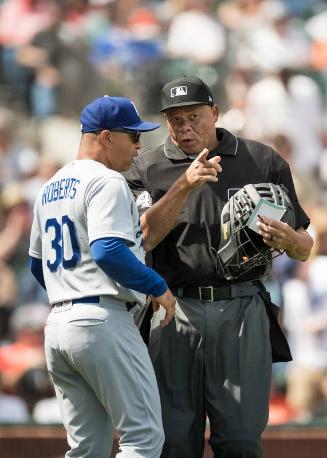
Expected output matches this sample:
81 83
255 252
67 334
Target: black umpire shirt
187 256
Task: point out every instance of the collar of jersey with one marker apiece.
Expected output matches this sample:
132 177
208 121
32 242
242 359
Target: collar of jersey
227 147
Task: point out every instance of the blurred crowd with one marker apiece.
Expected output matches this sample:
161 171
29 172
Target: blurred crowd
266 63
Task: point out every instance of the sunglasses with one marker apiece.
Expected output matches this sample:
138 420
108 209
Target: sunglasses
134 135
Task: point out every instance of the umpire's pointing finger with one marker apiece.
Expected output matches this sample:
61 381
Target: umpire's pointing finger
212 162
202 157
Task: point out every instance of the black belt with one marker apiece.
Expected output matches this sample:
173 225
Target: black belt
90 300
216 293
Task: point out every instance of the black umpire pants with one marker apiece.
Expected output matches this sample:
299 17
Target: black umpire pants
213 359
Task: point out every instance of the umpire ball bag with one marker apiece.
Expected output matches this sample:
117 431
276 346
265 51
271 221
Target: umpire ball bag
242 249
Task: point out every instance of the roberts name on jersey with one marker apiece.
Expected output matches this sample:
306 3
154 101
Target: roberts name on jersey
60 189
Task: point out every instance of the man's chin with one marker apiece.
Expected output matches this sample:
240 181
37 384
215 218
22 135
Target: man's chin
191 151
191 148
124 168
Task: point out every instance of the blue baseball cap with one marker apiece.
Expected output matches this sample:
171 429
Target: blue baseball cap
113 113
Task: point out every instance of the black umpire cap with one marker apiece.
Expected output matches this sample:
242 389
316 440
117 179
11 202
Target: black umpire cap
188 90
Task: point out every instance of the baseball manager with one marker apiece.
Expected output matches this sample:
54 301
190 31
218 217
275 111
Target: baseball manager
86 250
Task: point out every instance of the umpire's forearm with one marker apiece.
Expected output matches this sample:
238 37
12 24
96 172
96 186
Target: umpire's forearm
159 219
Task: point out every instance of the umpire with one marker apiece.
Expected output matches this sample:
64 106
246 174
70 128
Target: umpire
215 357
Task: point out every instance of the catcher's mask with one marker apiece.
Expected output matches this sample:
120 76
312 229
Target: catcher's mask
242 249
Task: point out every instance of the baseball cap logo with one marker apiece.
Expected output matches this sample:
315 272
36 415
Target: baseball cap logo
178 90
135 108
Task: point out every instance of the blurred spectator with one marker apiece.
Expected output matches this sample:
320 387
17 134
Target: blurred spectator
127 46
317 30
42 55
8 286
126 49
263 36
307 187
8 292
33 386
280 410
323 161
46 168
305 318
321 411
57 61
14 239
12 408
31 17
237 84
194 34
26 350
46 411
290 104
17 219
266 109
17 160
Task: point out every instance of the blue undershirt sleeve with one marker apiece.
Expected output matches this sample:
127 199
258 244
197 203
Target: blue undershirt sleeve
37 271
114 257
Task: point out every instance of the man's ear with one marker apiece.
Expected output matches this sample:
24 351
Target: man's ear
215 112
105 137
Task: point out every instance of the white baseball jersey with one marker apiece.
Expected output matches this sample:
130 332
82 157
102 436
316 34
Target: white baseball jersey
84 201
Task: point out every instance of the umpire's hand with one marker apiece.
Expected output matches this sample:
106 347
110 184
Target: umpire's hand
167 301
203 170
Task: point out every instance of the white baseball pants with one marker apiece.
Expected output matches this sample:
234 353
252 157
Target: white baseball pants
104 381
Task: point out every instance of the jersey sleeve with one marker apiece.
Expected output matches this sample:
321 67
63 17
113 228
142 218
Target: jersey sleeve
114 257
134 179
283 176
35 248
109 210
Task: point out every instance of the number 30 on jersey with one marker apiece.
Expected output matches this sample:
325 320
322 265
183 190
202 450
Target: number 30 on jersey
63 243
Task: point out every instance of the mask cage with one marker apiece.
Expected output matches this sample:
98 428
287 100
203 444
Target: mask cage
243 249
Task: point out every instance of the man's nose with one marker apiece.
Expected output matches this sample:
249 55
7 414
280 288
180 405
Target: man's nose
185 126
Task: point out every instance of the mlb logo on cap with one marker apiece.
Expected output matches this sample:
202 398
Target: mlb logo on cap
188 90
179 90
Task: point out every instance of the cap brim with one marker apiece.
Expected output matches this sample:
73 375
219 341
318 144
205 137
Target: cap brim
142 126
184 104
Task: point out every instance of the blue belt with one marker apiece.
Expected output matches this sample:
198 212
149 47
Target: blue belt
87 300
91 300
